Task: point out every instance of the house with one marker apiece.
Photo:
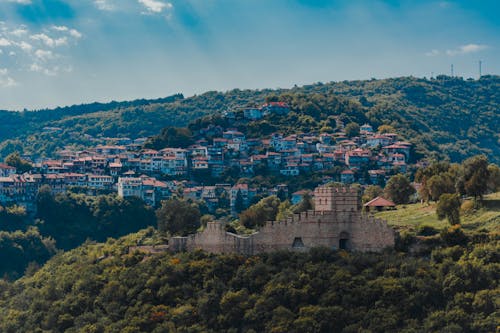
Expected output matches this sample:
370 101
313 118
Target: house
252 113
280 108
291 169
366 128
379 204
377 177
100 182
299 196
6 170
347 177
357 157
377 140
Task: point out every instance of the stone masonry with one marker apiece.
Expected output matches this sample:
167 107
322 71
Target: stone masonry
337 222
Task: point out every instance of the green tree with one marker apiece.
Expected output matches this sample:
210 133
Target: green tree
371 192
263 211
494 178
352 129
178 217
475 176
386 129
15 160
449 207
440 184
239 203
399 189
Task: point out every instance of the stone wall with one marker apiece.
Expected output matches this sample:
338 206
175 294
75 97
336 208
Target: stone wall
336 223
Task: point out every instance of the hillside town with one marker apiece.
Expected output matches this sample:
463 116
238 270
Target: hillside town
154 175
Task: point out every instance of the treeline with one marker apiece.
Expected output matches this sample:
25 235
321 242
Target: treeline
101 288
444 117
71 218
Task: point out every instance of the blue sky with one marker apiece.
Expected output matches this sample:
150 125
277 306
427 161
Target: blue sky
61 52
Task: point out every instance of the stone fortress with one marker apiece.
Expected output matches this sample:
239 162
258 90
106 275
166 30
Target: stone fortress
337 222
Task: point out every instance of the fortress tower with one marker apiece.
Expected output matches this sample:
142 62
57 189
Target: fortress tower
336 199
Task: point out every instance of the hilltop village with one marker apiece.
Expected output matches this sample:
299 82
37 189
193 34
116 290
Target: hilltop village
128 169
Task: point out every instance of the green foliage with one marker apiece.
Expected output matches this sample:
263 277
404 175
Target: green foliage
13 218
449 207
475 176
72 218
447 117
104 288
15 160
19 249
352 130
178 217
371 192
263 211
171 137
399 189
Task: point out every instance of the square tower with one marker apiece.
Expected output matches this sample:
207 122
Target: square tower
339 199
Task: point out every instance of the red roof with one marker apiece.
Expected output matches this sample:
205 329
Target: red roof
380 202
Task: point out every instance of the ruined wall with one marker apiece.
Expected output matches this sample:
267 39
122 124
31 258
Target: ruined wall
336 223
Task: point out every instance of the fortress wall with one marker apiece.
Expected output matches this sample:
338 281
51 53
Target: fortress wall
337 216
299 233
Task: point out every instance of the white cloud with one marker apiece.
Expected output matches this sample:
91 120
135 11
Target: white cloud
25 46
40 69
60 28
432 53
44 55
5 80
72 32
21 2
19 32
155 6
51 42
75 33
5 42
104 5
465 49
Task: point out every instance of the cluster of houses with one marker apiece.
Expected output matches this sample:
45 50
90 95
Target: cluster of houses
130 170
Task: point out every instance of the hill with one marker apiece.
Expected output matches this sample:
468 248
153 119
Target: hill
444 117
104 288
414 217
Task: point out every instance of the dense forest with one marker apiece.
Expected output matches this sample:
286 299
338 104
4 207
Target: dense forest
448 116
106 288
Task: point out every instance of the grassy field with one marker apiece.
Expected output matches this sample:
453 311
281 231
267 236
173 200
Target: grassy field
412 217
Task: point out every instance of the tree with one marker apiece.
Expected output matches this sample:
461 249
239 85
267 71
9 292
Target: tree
239 203
352 129
399 189
386 129
494 178
440 184
15 160
449 207
263 211
178 217
372 192
475 176
304 205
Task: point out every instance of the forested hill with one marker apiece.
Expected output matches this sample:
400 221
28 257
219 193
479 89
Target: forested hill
452 116
105 288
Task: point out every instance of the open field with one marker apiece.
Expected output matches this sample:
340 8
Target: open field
413 216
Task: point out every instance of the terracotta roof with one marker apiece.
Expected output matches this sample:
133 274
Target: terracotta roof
380 202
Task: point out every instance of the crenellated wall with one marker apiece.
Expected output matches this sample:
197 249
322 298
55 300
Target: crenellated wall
336 223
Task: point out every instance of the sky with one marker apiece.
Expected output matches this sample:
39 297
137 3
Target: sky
64 52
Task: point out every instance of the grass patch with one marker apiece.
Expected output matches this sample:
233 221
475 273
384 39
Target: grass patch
415 216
